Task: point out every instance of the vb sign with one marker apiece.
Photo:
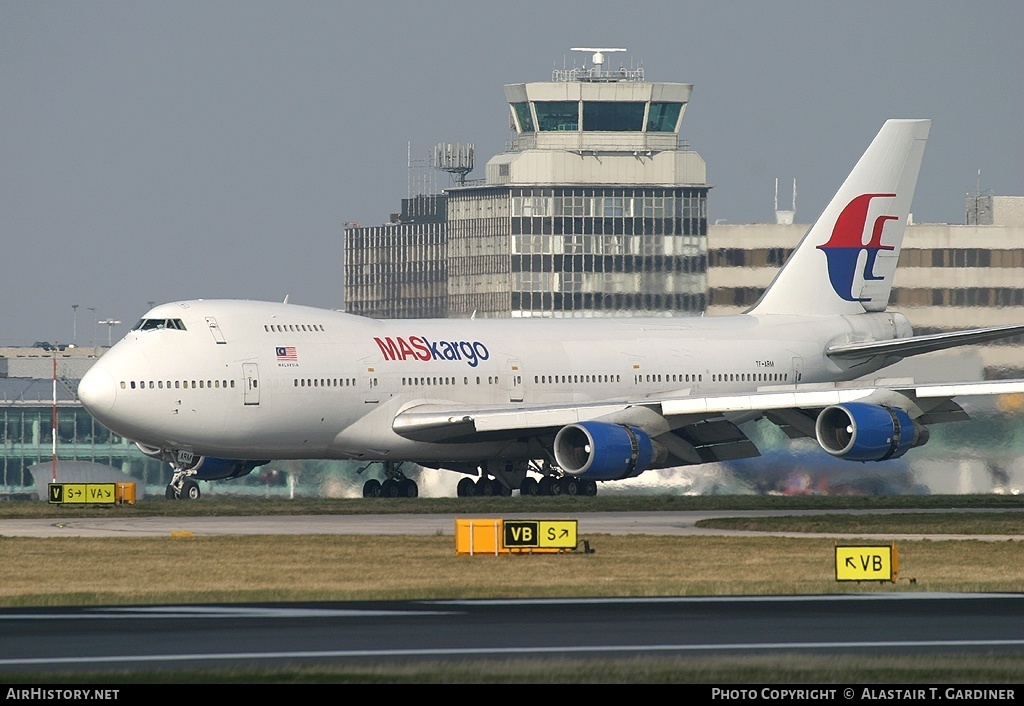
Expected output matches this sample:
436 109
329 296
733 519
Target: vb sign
540 534
866 563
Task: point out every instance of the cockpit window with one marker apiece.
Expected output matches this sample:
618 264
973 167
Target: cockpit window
151 324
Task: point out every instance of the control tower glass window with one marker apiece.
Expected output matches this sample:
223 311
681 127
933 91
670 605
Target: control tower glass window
523 116
557 115
613 116
662 117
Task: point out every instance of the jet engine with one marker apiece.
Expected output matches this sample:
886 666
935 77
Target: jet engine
603 451
858 431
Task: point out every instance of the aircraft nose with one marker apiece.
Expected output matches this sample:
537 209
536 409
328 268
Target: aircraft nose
97 390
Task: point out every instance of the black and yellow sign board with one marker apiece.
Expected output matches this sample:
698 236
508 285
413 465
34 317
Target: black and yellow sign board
866 563
83 493
540 534
496 536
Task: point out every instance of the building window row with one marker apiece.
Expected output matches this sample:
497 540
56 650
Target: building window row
597 263
602 301
961 296
754 257
569 227
611 206
596 116
962 257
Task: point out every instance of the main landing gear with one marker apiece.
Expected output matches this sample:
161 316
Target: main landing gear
558 485
181 487
502 479
395 484
484 486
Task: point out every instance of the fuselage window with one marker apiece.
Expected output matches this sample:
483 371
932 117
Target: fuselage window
133 384
122 384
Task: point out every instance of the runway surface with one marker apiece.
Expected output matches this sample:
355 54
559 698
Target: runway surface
49 639
651 523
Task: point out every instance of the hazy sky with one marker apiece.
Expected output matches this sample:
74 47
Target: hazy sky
154 151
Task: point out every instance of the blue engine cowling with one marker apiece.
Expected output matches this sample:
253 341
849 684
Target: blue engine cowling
603 451
858 431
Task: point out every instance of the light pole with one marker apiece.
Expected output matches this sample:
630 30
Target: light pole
110 324
74 325
95 325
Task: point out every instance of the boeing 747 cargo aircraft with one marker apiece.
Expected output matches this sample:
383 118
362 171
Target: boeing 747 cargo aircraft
220 387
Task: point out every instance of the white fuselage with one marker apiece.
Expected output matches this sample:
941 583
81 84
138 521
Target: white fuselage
258 380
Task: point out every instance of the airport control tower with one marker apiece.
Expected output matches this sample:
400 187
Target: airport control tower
596 209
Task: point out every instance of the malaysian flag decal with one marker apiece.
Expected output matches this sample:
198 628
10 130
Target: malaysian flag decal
287 354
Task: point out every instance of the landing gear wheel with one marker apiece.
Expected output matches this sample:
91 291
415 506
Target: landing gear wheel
408 489
466 488
189 490
569 485
485 487
389 488
371 488
528 487
171 493
545 486
588 487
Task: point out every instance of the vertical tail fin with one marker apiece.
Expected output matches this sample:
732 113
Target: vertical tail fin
846 262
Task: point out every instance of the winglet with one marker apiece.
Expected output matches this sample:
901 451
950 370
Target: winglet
846 262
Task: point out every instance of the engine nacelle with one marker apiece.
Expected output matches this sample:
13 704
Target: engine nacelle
603 451
858 431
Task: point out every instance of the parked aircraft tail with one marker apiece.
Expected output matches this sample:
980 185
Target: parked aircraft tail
846 262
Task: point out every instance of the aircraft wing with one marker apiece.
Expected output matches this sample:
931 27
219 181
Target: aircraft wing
915 345
706 425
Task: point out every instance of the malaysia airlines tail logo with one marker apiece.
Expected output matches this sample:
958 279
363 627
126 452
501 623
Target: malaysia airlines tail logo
842 251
